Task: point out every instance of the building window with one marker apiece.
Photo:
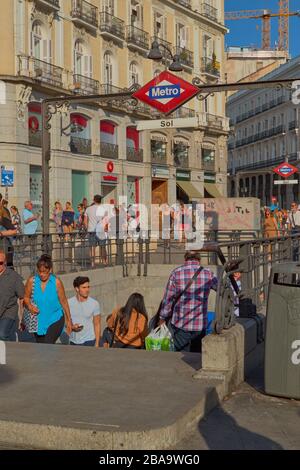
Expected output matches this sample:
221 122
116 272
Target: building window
107 68
40 44
158 150
108 6
108 132
82 60
133 74
132 138
136 14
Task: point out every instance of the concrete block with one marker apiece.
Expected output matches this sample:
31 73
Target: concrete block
221 352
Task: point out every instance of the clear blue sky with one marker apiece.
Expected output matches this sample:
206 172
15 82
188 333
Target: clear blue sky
248 32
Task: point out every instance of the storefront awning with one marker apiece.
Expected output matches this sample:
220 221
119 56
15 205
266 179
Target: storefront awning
189 189
212 190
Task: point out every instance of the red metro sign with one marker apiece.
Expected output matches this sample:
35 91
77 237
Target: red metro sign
285 170
166 92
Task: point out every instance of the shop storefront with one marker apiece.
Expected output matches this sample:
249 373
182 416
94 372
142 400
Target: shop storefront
160 176
186 191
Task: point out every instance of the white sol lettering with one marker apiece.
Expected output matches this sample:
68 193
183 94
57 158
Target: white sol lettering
296 354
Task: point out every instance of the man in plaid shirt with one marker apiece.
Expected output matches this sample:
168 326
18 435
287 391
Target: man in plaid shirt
189 315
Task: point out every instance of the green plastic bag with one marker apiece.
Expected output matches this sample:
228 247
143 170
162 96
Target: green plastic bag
159 339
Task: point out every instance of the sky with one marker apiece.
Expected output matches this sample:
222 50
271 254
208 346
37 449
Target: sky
248 31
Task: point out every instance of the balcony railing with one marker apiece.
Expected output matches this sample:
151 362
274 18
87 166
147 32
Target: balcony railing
108 89
85 85
137 37
49 4
293 125
209 11
79 145
84 13
186 57
184 3
215 121
183 113
111 26
271 162
48 73
134 155
35 138
109 150
211 66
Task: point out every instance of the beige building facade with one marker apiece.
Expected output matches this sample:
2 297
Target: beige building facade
66 47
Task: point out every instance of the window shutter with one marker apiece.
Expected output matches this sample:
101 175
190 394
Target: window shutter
165 31
91 66
31 44
50 51
45 50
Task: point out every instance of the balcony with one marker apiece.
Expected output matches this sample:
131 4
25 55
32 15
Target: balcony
293 125
47 73
108 89
134 155
211 66
109 150
85 85
210 12
79 145
137 39
184 3
35 138
111 27
186 57
84 14
183 113
48 5
214 121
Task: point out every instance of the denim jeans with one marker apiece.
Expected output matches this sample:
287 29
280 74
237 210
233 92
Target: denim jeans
7 329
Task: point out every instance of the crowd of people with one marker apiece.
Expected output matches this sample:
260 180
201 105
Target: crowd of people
278 221
77 320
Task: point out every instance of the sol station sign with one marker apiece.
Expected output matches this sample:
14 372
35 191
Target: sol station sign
285 170
166 92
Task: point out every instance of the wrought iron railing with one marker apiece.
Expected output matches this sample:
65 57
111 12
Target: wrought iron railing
50 3
85 85
184 3
181 161
137 37
211 66
48 73
112 25
108 88
293 125
80 145
108 150
208 165
209 11
85 12
183 112
134 155
168 45
186 57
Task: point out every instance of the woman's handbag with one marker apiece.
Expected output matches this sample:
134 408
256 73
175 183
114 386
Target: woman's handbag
30 320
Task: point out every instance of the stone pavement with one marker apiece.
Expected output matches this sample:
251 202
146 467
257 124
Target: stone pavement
248 420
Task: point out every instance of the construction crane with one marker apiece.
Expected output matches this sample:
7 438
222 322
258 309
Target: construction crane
266 15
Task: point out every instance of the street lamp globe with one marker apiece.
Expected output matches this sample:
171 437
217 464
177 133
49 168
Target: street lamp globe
176 65
155 53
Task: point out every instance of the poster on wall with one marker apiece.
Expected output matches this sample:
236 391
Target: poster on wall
131 191
36 191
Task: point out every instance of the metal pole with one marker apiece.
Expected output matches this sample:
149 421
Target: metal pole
46 155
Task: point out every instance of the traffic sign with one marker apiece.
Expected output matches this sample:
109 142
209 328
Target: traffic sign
167 123
7 177
285 181
285 170
166 92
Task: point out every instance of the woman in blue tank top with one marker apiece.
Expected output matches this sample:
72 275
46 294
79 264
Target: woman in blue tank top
45 296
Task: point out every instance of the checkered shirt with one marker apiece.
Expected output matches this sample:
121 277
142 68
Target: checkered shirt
190 312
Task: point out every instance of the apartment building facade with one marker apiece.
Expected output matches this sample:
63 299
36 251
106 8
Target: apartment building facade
264 133
66 47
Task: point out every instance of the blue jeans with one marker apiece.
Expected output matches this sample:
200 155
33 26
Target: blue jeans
87 343
7 329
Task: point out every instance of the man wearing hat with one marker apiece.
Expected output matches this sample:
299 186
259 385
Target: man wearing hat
185 302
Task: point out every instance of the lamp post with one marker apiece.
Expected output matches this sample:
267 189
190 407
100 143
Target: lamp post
156 54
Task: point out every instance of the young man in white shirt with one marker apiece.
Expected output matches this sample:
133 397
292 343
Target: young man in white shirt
85 314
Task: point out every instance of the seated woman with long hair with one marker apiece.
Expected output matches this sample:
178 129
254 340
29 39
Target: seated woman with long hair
128 325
